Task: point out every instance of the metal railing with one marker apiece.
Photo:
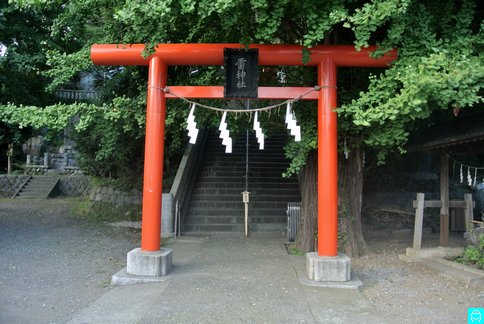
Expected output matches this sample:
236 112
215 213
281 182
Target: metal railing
293 212
185 178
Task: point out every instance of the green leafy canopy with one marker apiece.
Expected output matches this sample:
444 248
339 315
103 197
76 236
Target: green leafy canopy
439 65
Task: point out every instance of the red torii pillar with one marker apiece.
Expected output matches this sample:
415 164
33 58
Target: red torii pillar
326 58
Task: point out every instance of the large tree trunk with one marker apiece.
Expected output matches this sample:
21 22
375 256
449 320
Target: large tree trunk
351 239
307 225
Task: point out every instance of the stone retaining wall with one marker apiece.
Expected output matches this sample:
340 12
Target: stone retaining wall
9 184
79 185
74 186
110 195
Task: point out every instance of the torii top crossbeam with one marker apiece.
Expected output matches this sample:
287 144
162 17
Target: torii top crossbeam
212 54
325 58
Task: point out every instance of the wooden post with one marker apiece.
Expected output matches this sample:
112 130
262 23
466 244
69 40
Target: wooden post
245 200
417 232
468 211
46 160
444 197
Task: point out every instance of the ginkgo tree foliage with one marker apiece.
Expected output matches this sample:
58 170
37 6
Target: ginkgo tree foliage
439 67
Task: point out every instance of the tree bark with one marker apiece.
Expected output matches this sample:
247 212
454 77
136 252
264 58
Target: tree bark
307 224
351 238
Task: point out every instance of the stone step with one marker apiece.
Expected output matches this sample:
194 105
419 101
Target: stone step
40 196
268 227
213 227
240 156
196 220
216 202
237 191
242 152
293 185
42 180
278 234
237 204
225 179
208 228
228 174
233 212
238 198
235 220
262 165
253 176
470 277
27 192
37 187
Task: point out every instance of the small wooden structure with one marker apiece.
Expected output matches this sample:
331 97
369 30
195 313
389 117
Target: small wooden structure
464 135
420 204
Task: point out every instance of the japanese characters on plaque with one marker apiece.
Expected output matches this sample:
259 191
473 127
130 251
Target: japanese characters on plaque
241 73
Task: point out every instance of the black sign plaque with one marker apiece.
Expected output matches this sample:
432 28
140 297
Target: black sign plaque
241 73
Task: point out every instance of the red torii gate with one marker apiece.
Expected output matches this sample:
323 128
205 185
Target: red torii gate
326 58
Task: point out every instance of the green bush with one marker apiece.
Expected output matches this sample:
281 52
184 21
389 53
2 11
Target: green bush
101 212
474 254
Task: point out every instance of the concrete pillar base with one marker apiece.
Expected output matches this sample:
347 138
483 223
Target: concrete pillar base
320 268
153 264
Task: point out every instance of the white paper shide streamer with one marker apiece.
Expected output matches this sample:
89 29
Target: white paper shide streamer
469 177
225 134
471 174
258 131
192 126
475 178
292 123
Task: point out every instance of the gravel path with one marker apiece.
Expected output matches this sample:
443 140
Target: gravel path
409 292
51 264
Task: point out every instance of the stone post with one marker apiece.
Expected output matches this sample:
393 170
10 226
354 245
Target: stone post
46 160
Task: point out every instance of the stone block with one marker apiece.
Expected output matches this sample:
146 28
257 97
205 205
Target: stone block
154 264
436 252
321 268
167 213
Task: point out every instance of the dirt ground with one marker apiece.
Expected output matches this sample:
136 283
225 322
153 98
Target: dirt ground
53 264
406 291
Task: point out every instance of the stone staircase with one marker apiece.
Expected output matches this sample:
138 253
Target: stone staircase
216 202
37 187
